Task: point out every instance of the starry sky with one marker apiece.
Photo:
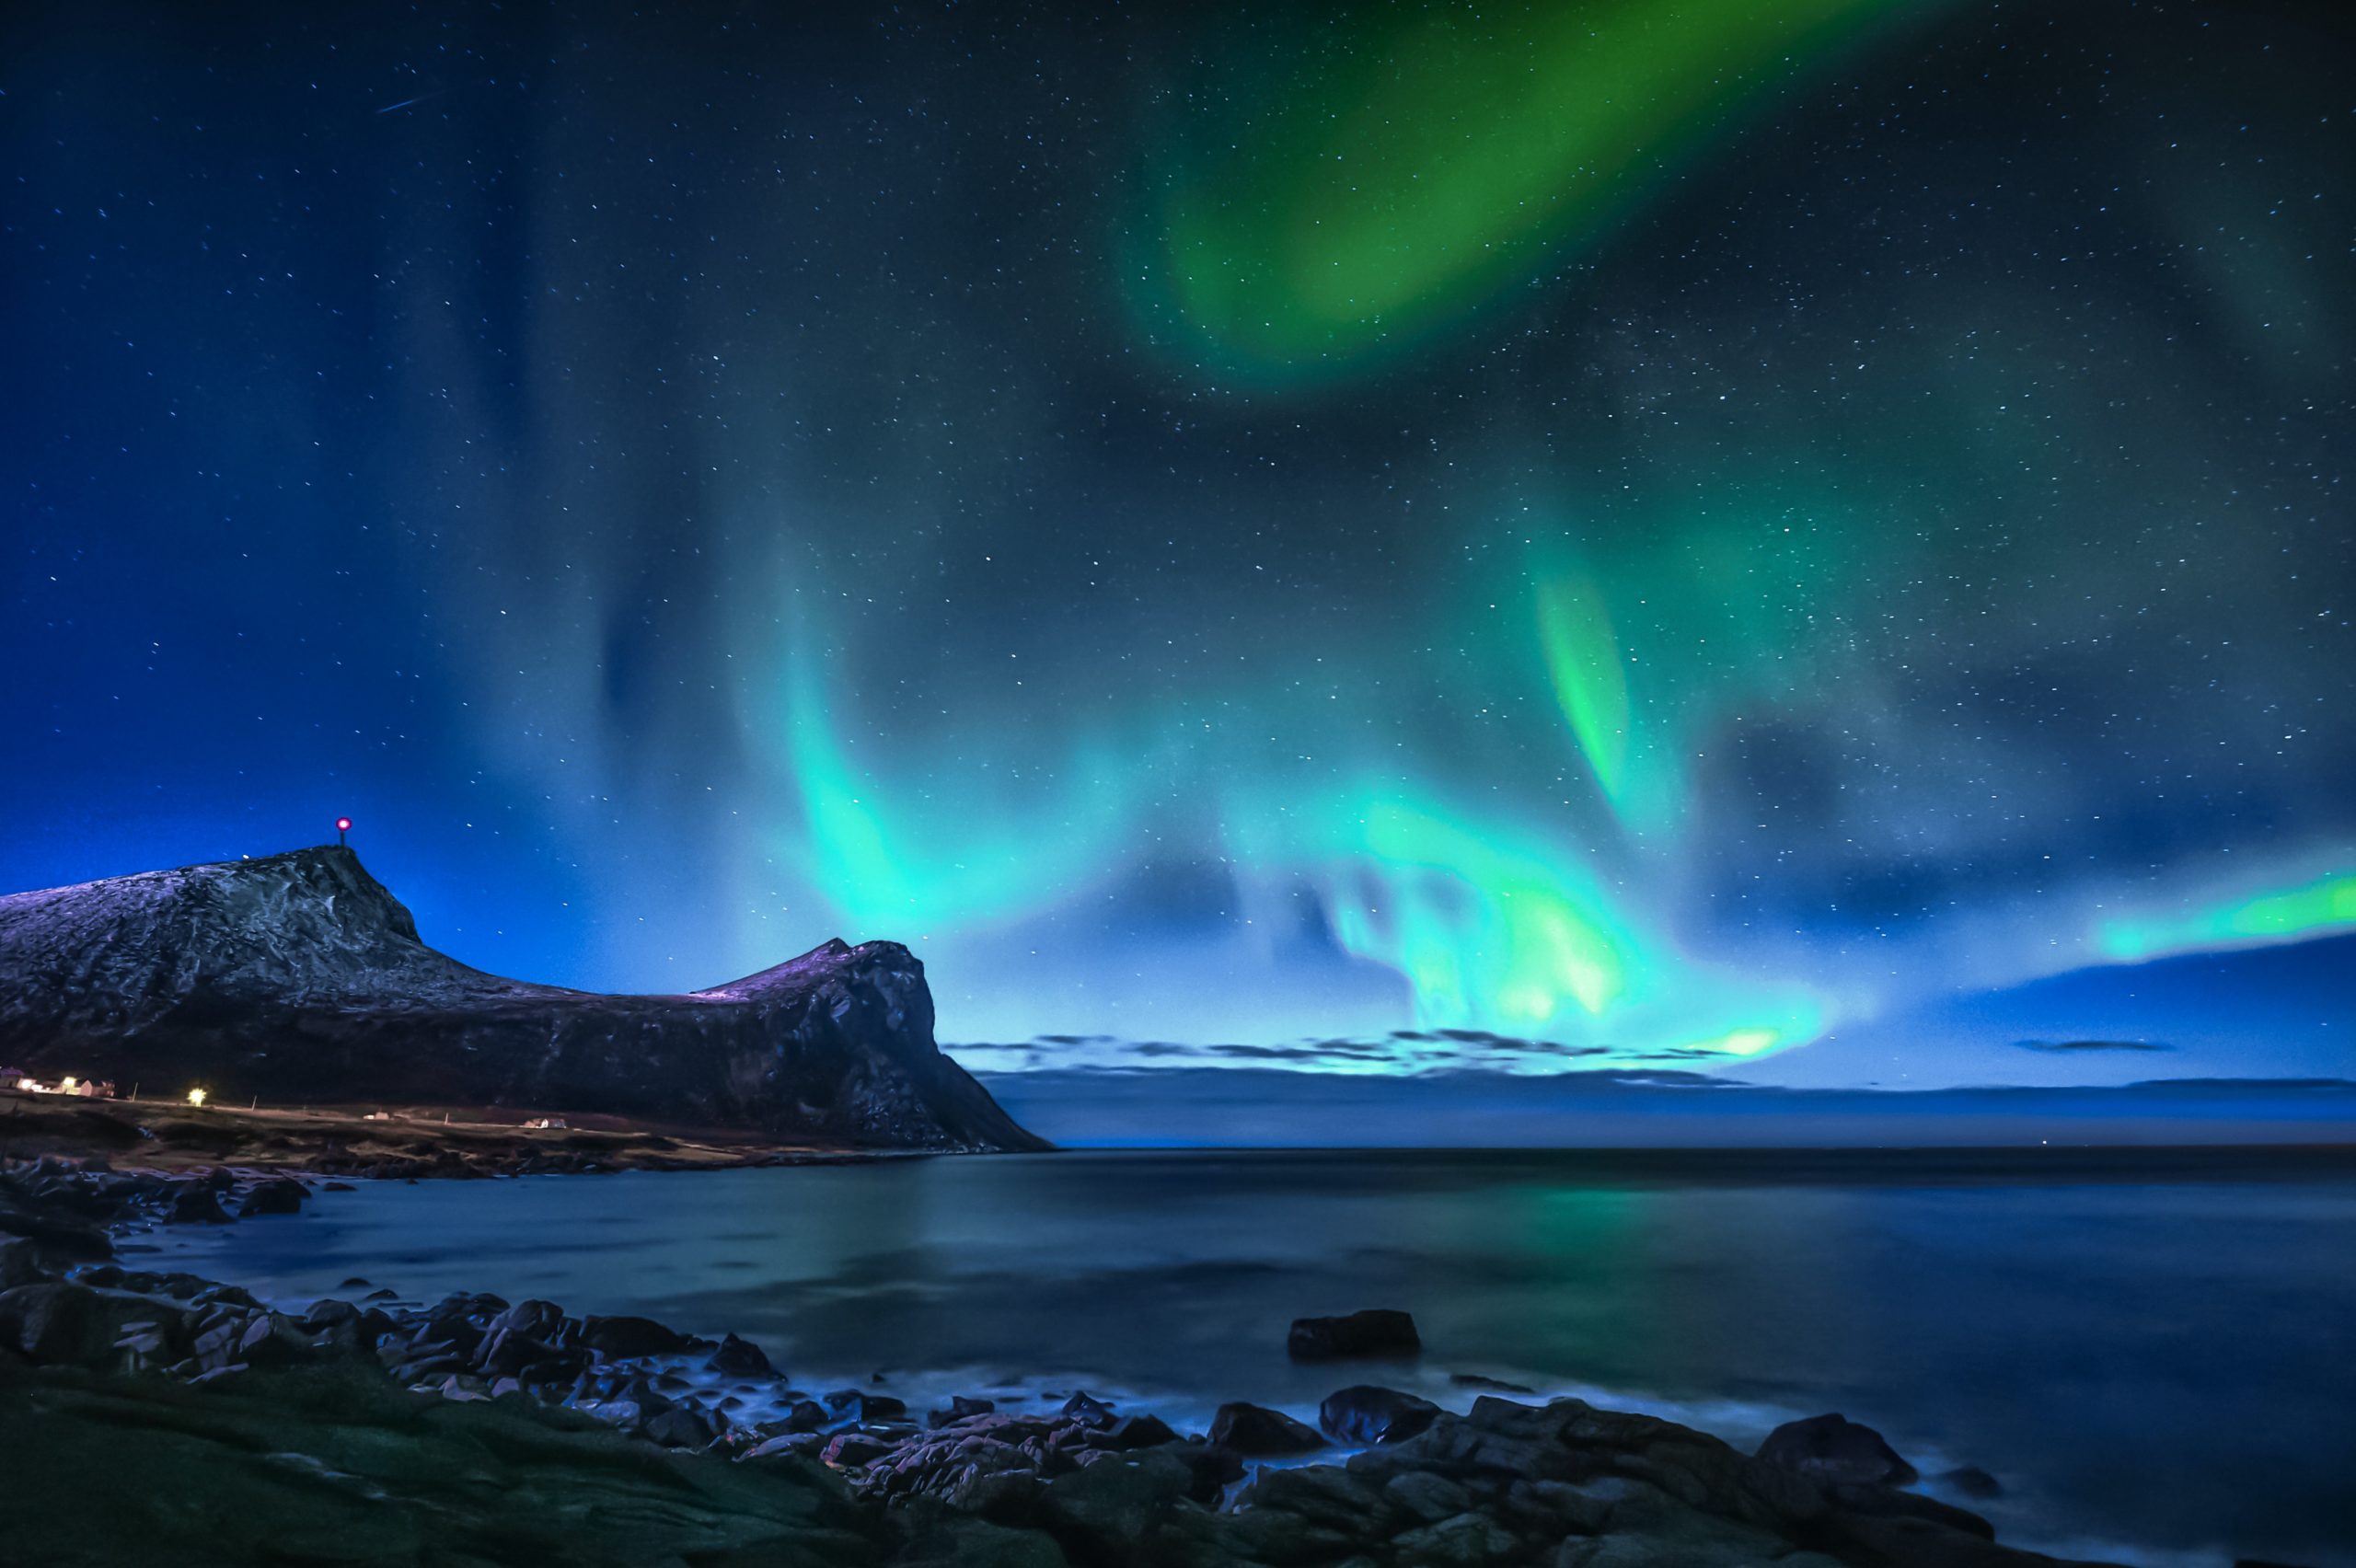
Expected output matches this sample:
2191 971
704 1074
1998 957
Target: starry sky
1813 539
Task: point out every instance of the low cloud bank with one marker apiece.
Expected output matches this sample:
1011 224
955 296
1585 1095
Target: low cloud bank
1667 1108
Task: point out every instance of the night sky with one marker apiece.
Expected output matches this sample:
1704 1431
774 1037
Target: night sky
1556 535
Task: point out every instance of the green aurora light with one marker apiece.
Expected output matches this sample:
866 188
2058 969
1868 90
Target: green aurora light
1430 168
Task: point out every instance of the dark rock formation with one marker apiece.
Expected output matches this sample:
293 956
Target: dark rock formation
1836 1450
1378 1330
1256 1432
299 977
1365 1413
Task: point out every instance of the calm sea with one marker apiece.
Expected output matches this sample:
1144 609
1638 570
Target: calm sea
2154 1353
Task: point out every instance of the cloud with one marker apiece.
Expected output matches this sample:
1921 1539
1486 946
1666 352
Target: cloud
2068 1047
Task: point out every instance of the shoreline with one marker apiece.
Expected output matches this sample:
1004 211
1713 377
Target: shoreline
96 1350
409 1142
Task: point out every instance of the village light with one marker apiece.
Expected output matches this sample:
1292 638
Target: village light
196 1097
66 1083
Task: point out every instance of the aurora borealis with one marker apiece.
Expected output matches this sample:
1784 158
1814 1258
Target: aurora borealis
1657 535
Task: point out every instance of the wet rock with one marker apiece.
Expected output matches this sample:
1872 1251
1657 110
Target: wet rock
281 1196
864 1408
192 1205
1088 1410
1488 1385
846 1450
740 1358
1106 1512
1134 1432
961 1407
1467 1538
1836 1450
1378 1331
1257 1432
1972 1482
625 1337
806 1444
1365 1413
1428 1496
679 1427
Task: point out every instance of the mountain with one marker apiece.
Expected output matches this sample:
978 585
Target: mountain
299 977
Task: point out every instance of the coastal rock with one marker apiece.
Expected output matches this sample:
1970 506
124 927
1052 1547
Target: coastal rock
1365 1413
739 1358
279 1195
960 1408
193 1204
1257 1432
300 978
1836 1450
622 1337
1376 1332
56 1323
1088 1410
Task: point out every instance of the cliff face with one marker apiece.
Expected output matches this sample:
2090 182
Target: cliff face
300 978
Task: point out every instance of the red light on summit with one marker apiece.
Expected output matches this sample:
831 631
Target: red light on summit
343 824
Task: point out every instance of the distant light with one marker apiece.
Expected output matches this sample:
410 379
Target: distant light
196 1097
343 824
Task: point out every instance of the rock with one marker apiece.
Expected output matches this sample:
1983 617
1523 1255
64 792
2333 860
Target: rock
1488 1385
1428 1496
273 1341
278 1196
1836 1450
740 1358
1378 1331
1468 1539
1088 1410
960 1408
623 1337
1365 1413
679 1427
1135 1432
1106 1512
56 1323
192 1205
1972 1482
804 1443
848 1450
19 1264
1256 1432
807 1416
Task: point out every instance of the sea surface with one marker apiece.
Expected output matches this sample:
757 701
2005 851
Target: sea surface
2154 1353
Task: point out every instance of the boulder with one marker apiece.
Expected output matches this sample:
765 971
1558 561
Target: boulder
961 1407
192 1205
740 1358
1837 1451
57 1322
848 1450
1135 1432
1257 1432
1088 1410
626 1336
281 1195
1365 1413
1378 1331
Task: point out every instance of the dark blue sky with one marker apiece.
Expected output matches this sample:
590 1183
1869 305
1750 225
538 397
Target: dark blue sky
691 485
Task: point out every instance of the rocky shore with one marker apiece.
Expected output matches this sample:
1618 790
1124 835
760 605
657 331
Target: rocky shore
365 1429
